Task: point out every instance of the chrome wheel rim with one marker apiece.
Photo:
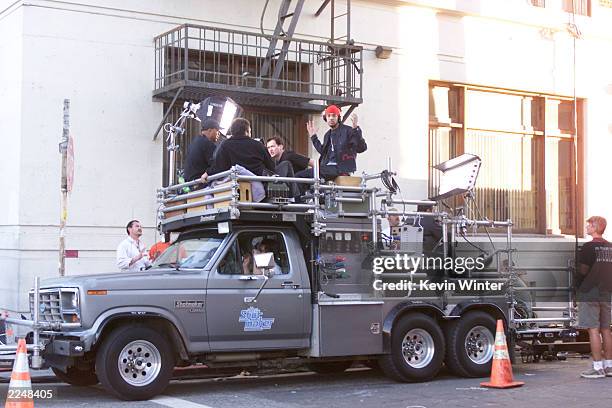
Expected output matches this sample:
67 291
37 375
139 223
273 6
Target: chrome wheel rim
479 344
418 348
139 363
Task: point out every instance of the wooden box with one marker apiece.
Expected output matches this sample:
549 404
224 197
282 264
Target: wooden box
348 181
199 208
171 214
244 193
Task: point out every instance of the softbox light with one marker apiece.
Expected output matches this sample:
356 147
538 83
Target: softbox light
220 108
459 175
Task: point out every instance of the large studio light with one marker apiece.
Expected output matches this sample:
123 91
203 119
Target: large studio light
459 175
220 108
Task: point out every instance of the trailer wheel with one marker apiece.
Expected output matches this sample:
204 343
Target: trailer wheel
76 377
417 349
330 367
470 344
135 363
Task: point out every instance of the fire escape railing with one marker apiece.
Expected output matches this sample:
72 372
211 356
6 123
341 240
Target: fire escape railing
202 60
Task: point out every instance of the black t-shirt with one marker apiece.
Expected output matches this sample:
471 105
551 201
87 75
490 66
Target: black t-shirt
597 255
199 158
298 162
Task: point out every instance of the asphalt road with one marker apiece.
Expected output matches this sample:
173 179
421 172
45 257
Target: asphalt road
548 384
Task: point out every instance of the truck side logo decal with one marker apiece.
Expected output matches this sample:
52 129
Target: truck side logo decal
193 306
254 321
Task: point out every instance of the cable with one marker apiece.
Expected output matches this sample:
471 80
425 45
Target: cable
261 19
485 227
388 181
472 244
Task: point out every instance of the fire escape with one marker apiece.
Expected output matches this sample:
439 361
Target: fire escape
279 70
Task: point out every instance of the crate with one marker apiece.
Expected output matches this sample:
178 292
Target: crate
348 181
171 214
244 193
198 208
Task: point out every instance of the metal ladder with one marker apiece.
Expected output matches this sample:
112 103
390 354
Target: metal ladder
283 35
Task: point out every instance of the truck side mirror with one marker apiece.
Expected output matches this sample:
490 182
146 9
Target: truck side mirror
265 260
266 263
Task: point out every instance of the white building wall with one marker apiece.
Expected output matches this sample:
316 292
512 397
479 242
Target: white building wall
11 68
99 54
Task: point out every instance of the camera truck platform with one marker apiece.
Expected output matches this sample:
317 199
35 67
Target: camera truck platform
275 284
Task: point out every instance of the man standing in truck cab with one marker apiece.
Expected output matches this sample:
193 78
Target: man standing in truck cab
341 144
131 252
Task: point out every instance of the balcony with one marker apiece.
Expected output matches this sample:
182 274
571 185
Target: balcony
194 62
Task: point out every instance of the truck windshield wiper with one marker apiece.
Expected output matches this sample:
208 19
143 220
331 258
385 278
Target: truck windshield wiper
169 264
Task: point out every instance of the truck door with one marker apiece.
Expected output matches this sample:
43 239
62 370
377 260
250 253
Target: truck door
278 319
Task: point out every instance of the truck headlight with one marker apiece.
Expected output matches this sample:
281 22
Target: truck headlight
71 307
70 300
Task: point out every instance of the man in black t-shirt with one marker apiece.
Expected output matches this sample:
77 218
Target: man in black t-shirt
201 150
593 296
287 162
276 148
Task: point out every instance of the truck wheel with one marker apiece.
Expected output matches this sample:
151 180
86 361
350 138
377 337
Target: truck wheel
417 349
135 363
330 367
74 376
471 344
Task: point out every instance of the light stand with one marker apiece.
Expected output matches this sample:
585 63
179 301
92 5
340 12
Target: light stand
189 111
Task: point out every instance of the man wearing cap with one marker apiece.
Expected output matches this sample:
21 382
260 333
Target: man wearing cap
341 143
201 150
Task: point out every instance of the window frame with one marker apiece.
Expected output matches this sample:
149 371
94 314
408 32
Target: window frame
539 128
566 5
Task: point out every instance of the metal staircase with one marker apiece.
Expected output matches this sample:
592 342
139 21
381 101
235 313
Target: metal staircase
280 34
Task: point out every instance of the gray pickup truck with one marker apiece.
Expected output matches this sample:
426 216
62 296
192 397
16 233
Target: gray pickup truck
255 289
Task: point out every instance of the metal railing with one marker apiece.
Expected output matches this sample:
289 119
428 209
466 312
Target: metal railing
223 60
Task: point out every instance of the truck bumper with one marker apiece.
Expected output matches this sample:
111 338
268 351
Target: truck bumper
65 347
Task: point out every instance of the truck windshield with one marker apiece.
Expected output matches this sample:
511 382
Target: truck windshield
190 253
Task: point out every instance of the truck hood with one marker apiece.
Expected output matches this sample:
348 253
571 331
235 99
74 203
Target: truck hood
157 278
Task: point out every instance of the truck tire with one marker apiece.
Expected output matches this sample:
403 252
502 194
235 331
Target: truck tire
135 363
76 377
417 349
330 367
470 344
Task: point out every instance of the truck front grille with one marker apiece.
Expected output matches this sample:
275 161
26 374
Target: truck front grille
51 308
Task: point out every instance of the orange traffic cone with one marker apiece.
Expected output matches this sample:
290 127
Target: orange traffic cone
501 372
20 380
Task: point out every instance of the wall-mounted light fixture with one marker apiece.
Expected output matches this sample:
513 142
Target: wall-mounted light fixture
383 52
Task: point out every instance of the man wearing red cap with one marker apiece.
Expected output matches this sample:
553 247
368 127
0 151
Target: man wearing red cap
341 143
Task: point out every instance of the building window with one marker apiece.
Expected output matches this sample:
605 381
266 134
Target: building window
582 7
264 124
526 143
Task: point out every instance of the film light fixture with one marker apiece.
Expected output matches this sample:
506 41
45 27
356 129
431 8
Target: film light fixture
459 175
223 109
